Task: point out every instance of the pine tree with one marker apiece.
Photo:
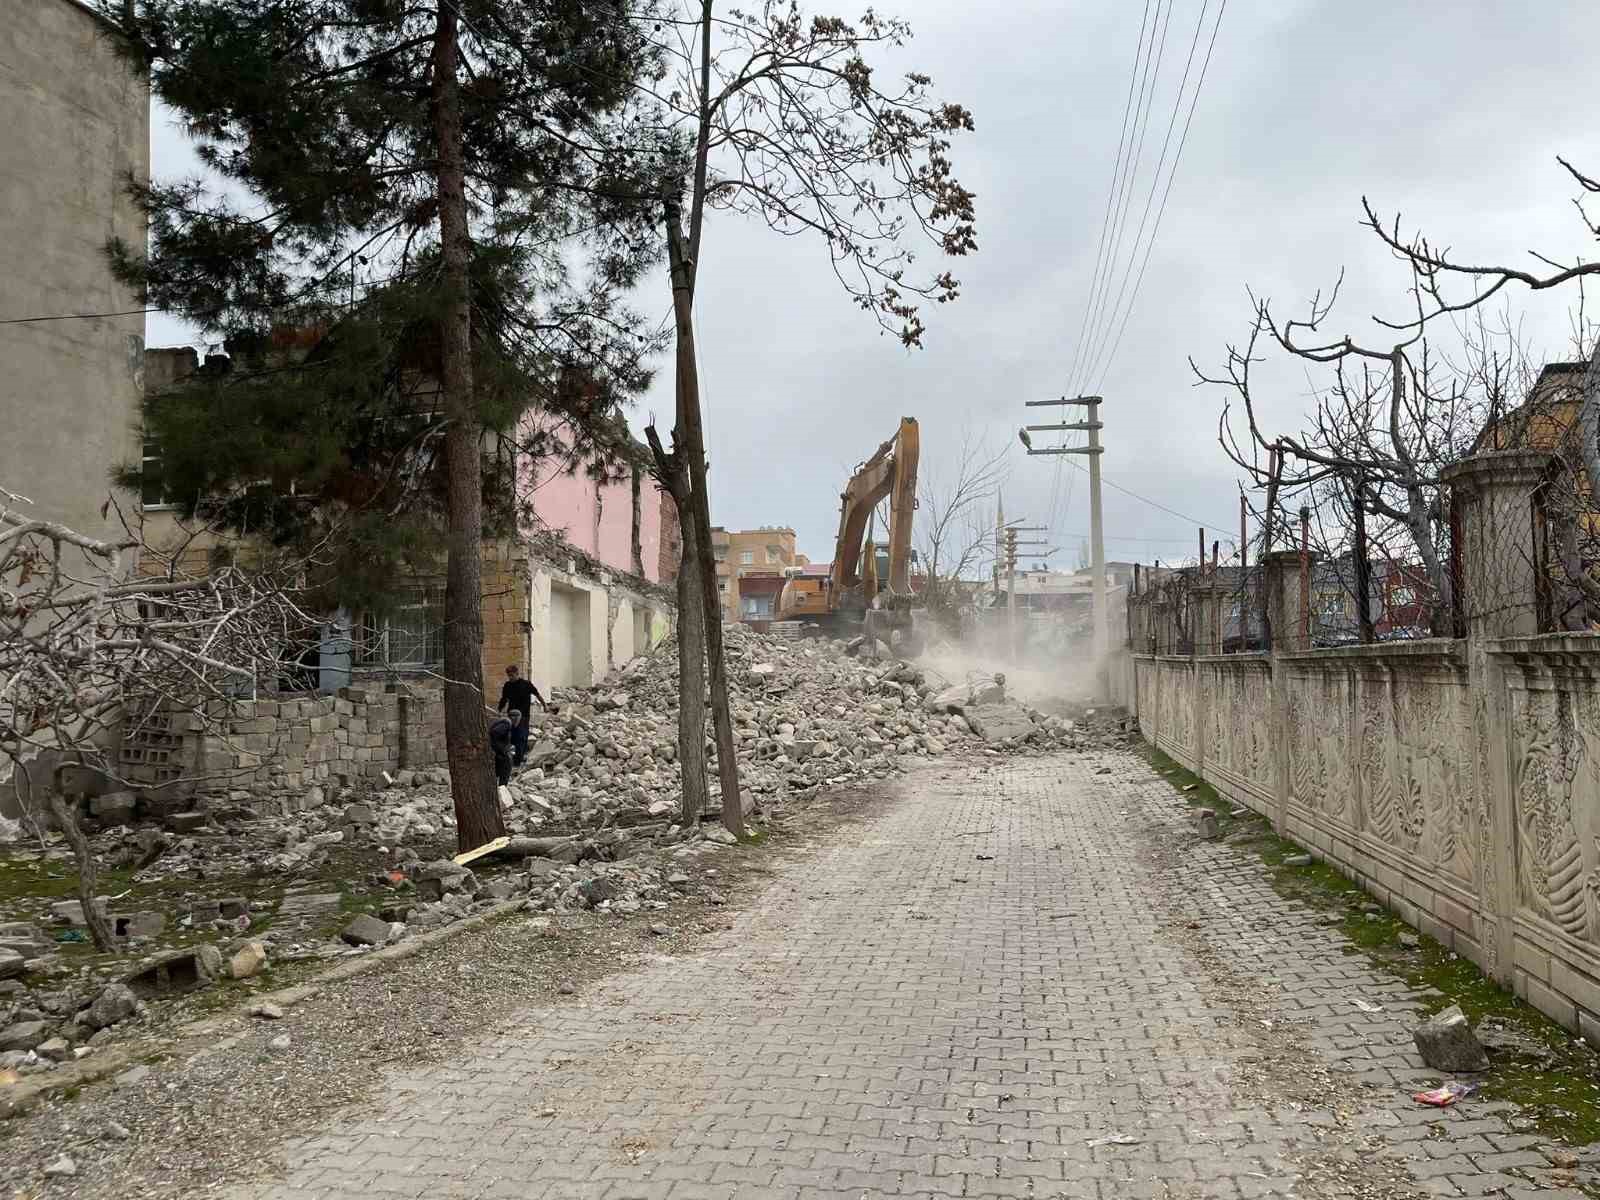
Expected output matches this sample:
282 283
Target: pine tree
387 243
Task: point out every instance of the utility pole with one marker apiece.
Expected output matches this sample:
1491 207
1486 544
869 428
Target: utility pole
1097 545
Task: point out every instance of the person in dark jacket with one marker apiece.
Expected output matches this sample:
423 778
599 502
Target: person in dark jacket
501 732
519 693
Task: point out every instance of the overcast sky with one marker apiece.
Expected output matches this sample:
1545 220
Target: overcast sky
1450 113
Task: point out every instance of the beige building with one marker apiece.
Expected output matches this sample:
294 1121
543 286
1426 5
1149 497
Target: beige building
77 127
745 552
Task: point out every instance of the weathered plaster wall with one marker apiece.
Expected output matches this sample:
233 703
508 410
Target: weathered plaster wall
77 125
598 518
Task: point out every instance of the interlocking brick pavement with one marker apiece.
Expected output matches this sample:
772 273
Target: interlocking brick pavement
1026 979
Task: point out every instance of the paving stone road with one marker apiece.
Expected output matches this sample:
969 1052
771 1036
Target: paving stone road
1027 980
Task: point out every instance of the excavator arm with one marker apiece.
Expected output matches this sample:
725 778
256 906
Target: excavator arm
891 472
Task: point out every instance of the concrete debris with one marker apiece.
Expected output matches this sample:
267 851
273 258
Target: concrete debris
176 973
366 930
116 1003
1447 1043
23 1035
61 1168
266 1011
248 960
282 1042
1297 860
593 822
1206 826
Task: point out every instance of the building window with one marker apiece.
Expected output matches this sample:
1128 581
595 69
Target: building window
1402 596
720 553
773 556
150 494
411 637
722 586
747 557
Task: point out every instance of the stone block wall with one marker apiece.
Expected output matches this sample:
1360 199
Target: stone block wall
287 746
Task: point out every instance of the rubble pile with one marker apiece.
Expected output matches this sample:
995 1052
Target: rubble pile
593 818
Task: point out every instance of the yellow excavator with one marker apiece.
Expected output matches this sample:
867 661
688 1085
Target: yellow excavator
851 599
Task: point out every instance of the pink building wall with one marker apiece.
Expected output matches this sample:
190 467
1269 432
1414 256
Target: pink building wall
598 519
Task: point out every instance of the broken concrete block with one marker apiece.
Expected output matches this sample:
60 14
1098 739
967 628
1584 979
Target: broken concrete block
186 822
1206 824
56 1049
138 925
70 912
248 960
24 1035
1297 860
266 1010
176 973
1447 1043
231 908
115 1003
12 963
114 808
359 814
365 930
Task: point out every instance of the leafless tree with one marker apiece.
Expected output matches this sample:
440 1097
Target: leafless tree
1446 286
90 649
954 535
784 120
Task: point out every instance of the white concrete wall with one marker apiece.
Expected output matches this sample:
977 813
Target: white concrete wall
576 638
77 124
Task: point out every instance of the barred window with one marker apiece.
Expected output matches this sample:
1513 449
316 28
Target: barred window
411 636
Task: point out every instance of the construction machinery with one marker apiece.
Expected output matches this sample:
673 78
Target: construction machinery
852 599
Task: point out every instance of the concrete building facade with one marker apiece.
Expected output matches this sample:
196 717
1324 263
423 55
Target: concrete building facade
77 128
763 553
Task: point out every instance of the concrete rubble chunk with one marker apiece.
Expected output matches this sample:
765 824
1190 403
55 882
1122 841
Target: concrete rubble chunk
116 1002
187 822
247 961
177 972
1205 824
365 930
12 963
56 1049
62 1167
1447 1043
266 1011
23 1035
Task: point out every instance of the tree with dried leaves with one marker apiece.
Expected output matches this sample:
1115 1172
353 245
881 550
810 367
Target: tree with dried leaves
90 650
784 120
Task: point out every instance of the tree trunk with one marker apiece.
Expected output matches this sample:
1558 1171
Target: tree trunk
689 439
99 927
637 545
691 672
477 805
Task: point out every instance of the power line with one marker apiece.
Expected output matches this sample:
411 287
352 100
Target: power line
1116 176
1147 94
1157 503
1155 181
129 312
1171 175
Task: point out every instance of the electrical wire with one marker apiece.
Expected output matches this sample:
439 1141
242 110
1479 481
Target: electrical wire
1219 525
1155 182
1147 95
128 312
1161 212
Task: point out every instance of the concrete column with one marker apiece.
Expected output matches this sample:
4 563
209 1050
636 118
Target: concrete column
1493 500
1161 617
1283 599
1206 601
